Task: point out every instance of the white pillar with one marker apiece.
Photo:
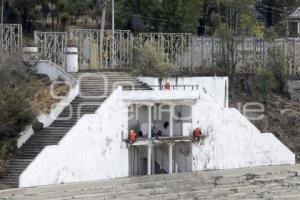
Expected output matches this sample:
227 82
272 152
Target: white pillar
149 164
30 54
30 49
153 160
171 120
72 59
149 122
170 158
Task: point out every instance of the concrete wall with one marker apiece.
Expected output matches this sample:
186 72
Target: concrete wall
216 87
91 150
232 141
53 71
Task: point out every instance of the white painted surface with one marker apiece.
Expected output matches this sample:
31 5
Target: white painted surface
24 136
54 72
216 87
72 59
91 150
30 49
160 95
233 142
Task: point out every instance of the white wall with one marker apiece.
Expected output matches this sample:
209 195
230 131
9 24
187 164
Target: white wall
93 149
233 142
53 71
216 87
182 157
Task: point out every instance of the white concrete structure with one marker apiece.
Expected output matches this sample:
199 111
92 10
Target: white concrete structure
97 147
32 49
216 87
72 59
93 149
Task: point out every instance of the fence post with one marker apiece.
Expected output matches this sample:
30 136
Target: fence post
192 51
20 36
131 50
294 57
182 43
1 40
202 53
212 51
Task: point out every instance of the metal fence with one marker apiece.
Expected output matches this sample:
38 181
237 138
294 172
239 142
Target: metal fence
249 54
94 54
10 38
51 46
184 50
177 47
188 52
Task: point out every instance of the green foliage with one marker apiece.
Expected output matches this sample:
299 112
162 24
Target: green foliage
277 64
157 15
75 8
247 25
148 61
265 83
237 15
225 60
270 34
16 111
65 17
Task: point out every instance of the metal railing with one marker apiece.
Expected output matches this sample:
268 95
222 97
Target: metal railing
10 38
176 87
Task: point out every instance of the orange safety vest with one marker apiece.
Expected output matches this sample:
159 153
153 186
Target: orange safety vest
197 133
167 86
132 136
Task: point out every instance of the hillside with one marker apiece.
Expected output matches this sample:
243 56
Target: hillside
281 117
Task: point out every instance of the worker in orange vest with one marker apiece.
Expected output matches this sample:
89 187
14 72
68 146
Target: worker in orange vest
167 86
197 134
132 137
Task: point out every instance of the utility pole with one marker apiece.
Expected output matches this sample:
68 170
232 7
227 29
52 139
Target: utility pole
113 33
102 32
287 22
2 10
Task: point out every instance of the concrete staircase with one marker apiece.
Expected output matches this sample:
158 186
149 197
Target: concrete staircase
279 182
91 85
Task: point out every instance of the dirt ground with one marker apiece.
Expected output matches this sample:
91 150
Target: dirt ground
281 117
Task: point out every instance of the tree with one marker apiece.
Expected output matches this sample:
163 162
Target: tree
159 15
75 8
229 12
95 10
